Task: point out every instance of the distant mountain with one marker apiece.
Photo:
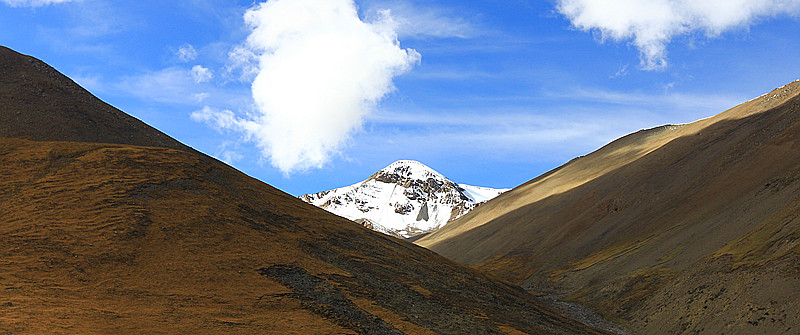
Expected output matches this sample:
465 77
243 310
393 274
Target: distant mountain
127 235
404 199
679 229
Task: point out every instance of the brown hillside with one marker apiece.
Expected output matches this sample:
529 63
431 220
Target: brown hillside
99 238
39 103
121 239
677 229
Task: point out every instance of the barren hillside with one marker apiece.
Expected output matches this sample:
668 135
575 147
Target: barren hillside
676 229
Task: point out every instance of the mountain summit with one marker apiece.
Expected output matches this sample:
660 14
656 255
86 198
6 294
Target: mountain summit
404 199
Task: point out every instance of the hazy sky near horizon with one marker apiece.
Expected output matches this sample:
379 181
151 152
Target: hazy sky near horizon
309 95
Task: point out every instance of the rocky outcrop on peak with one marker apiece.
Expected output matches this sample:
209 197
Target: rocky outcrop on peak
405 199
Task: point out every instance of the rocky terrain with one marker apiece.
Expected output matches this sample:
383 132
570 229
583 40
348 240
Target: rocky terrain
691 228
405 199
108 226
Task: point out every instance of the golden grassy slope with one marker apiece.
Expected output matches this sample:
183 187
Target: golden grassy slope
103 238
636 227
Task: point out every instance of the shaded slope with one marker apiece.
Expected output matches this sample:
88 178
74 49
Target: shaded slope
688 228
109 238
112 238
39 103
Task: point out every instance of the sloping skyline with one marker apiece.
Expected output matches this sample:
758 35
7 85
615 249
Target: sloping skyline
489 93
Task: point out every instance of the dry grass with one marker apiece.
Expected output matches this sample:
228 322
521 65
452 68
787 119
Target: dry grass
101 238
640 223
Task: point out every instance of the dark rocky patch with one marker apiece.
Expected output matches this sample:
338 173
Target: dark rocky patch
322 298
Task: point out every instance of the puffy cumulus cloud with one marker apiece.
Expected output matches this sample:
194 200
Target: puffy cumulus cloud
652 24
32 3
201 74
186 53
320 70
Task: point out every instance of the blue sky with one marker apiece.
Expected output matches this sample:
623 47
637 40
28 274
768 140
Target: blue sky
490 93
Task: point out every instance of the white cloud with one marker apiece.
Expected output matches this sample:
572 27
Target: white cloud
320 71
186 53
708 103
221 120
201 74
32 3
87 27
574 121
243 64
498 134
622 72
173 85
228 154
415 21
652 24
200 97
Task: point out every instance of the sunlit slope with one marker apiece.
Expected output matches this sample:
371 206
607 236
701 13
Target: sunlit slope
634 228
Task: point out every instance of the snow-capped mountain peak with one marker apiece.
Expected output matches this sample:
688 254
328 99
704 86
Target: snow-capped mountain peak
404 199
409 169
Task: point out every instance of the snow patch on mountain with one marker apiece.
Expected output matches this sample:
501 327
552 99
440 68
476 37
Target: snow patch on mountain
404 199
